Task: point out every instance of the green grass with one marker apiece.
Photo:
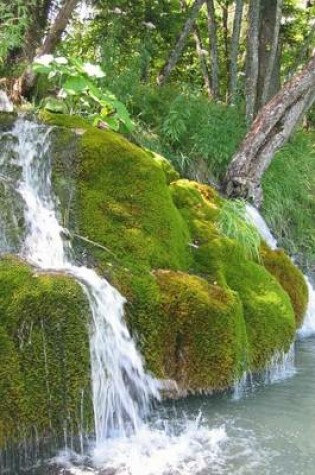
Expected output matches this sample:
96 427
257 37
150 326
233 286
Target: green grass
289 197
183 125
233 224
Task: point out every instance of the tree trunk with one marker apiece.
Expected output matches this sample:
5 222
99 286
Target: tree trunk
58 27
271 129
39 15
252 60
176 52
237 23
269 51
203 62
225 22
213 45
26 82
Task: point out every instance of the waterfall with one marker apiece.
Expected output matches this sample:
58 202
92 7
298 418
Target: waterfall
125 442
308 327
121 388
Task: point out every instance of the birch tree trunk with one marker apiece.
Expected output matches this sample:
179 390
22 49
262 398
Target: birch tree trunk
252 60
237 23
271 129
180 44
213 48
203 62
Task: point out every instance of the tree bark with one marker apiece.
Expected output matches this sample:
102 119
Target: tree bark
269 51
252 60
39 14
225 27
176 52
213 48
203 62
24 85
237 23
271 129
58 27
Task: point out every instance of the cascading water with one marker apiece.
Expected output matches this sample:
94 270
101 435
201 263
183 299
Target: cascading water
121 388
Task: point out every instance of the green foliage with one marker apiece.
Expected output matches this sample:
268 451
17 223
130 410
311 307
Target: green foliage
184 126
13 22
232 223
80 91
289 191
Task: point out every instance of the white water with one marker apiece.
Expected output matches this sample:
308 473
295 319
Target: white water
308 327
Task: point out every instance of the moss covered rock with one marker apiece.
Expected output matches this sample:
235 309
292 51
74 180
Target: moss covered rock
290 278
200 311
44 351
204 335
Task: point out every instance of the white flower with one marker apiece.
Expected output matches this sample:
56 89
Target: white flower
45 59
93 70
61 60
149 25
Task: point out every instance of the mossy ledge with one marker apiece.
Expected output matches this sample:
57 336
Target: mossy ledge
44 350
200 312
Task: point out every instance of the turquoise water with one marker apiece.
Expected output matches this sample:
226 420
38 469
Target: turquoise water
271 428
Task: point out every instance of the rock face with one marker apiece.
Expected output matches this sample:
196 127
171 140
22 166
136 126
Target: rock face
201 312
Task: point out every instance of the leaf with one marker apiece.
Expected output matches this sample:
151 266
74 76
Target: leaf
75 85
112 122
40 68
54 105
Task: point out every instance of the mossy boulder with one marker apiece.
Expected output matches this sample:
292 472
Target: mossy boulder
290 278
200 311
204 336
44 351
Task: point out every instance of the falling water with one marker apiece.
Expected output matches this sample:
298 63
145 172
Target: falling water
121 388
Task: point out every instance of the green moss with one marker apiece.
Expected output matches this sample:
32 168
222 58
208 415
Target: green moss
63 120
44 349
200 311
268 312
122 193
204 337
290 278
7 120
